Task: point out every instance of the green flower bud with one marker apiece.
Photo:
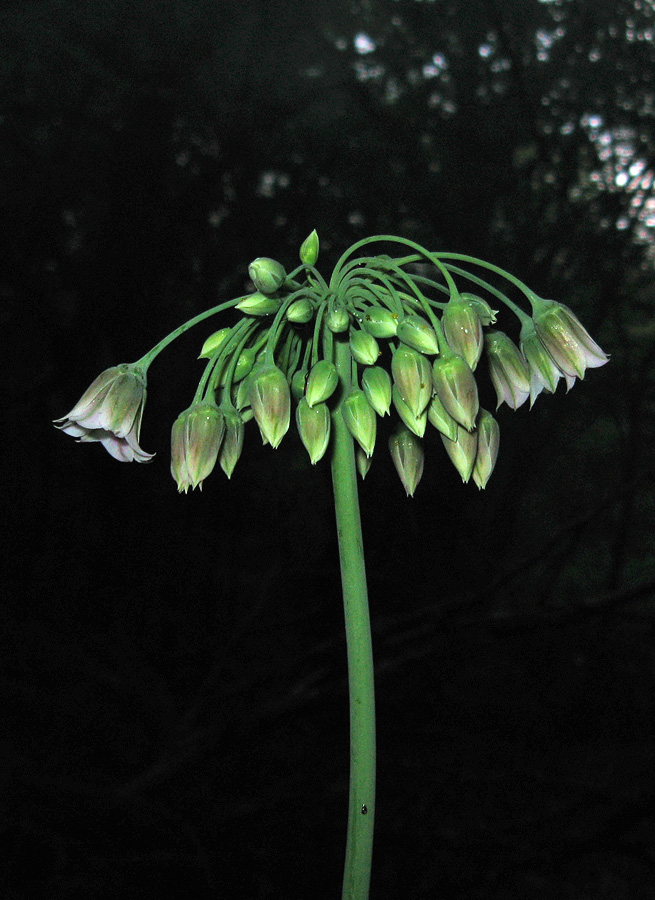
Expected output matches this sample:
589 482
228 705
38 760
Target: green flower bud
455 386
258 304
364 348
337 319
266 274
462 451
360 419
379 321
314 425
298 383
376 383
416 332
300 311
243 367
463 330
309 249
321 382
508 369
413 376
441 420
232 442
363 462
271 403
213 343
414 423
407 455
195 441
487 450
486 314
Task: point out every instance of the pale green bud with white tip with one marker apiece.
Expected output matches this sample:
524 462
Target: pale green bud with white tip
441 420
266 274
463 330
270 400
485 312
455 386
416 424
416 332
408 457
508 369
195 442
363 462
322 382
314 425
462 451
213 343
364 349
376 383
258 304
309 249
232 442
360 420
487 449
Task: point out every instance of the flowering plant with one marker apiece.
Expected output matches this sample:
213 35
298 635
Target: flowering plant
384 332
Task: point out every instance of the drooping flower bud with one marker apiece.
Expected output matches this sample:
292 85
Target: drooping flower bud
364 348
314 424
298 384
232 442
462 451
376 383
337 319
485 312
416 332
566 339
487 450
407 455
195 442
544 374
243 366
441 420
412 374
309 249
110 412
463 330
213 343
300 311
270 400
508 369
266 274
455 386
414 423
379 321
360 419
258 304
321 382
363 462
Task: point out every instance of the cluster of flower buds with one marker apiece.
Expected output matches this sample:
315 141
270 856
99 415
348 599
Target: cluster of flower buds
414 345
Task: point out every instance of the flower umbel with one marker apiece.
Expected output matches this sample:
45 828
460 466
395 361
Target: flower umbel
110 412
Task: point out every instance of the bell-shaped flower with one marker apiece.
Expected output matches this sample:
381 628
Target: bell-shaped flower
455 386
487 450
376 383
508 369
196 439
270 400
110 412
314 425
407 455
485 312
462 451
360 419
463 330
566 339
412 374
544 373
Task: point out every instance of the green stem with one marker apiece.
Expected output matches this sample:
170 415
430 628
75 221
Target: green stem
361 803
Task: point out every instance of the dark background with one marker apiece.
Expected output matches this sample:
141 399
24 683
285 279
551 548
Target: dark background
173 667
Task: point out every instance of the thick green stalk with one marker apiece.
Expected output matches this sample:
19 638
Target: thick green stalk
361 803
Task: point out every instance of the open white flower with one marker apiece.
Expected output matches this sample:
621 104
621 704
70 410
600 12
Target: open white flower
110 412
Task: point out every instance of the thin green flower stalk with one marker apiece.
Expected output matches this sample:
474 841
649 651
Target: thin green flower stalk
385 335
